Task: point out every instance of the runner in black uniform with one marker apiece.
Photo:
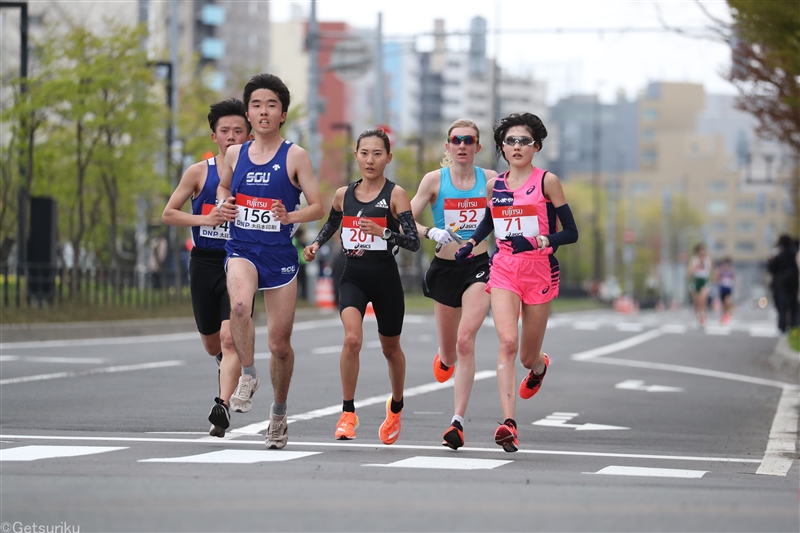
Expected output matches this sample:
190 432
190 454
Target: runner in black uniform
212 309
371 212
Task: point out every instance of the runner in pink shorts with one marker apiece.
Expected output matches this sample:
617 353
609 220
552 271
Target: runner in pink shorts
526 204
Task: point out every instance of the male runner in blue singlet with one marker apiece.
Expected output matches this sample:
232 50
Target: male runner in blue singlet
259 195
229 126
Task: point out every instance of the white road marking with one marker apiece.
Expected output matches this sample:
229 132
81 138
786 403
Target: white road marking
560 420
68 360
428 412
782 436
234 457
141 339
34 453
636 384
258 427
588 326
635 327
694 371
674 328
445 463
338 348
649 472
389 449
764 332
718 330
262 355
617 346
104 370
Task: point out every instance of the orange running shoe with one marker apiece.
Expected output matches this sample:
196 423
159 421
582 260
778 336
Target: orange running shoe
346 428
441 372
454 436
532 383
390 429
506 436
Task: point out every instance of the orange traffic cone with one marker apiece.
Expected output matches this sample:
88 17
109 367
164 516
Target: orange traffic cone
324 294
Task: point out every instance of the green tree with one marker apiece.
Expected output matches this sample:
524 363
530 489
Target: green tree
97 130
766 70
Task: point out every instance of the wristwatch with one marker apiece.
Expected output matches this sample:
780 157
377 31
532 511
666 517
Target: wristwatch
425 233
386 234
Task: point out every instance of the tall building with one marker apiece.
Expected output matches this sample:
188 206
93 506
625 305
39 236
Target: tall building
677 143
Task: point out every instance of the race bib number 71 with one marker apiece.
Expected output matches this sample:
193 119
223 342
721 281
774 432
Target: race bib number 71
256 213
511 221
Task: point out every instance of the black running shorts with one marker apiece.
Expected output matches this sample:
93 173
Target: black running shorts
377 281
209 289
445 281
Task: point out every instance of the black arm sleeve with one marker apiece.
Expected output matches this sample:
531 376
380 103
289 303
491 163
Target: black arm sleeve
331 226
485 227
569 230
409 239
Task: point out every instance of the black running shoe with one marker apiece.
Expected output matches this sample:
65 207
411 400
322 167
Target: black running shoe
454 436
220 417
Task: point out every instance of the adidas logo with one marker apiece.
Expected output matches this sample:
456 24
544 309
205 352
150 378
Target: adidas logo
382 204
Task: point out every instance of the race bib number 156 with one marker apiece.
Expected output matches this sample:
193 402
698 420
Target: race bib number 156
256 213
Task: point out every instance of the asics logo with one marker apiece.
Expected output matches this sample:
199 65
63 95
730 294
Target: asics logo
544 291
530 190
382 204
480 274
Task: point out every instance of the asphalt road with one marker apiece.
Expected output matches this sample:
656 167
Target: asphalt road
644 423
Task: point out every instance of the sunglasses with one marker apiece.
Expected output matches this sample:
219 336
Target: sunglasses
513 140
466 139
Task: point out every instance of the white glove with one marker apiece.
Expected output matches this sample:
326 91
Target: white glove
439 235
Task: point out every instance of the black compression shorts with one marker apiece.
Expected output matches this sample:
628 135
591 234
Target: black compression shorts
209 289
377 281
445 281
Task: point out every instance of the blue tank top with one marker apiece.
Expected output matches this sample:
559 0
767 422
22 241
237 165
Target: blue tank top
461 210
207 237
257 188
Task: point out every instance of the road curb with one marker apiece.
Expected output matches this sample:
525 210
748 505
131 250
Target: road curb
784 357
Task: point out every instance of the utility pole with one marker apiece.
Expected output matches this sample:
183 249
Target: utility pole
380 92
172 160
596 250
312 44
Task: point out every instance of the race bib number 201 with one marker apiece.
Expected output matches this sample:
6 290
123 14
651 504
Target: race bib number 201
353 238
256 213
214 232
511 221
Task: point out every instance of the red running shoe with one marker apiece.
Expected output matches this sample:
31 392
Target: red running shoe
506 436
532 383
441 372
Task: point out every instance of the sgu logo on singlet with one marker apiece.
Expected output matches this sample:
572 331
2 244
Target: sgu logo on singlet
257 177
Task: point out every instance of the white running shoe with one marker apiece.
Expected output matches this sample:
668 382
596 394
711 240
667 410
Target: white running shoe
242 398
277 432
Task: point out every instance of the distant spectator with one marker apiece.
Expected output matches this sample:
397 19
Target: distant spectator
783 267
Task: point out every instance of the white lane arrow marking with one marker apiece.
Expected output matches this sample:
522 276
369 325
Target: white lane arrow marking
560 420
635 384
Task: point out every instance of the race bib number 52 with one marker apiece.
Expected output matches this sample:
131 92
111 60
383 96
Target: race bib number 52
511 221
353 238
214 232
463 213
256 213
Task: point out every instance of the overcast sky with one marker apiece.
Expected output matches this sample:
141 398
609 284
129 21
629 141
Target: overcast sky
570 62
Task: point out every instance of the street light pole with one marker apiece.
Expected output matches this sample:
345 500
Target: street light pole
312 44
597 250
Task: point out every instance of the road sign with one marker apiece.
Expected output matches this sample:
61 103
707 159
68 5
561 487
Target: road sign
351 59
